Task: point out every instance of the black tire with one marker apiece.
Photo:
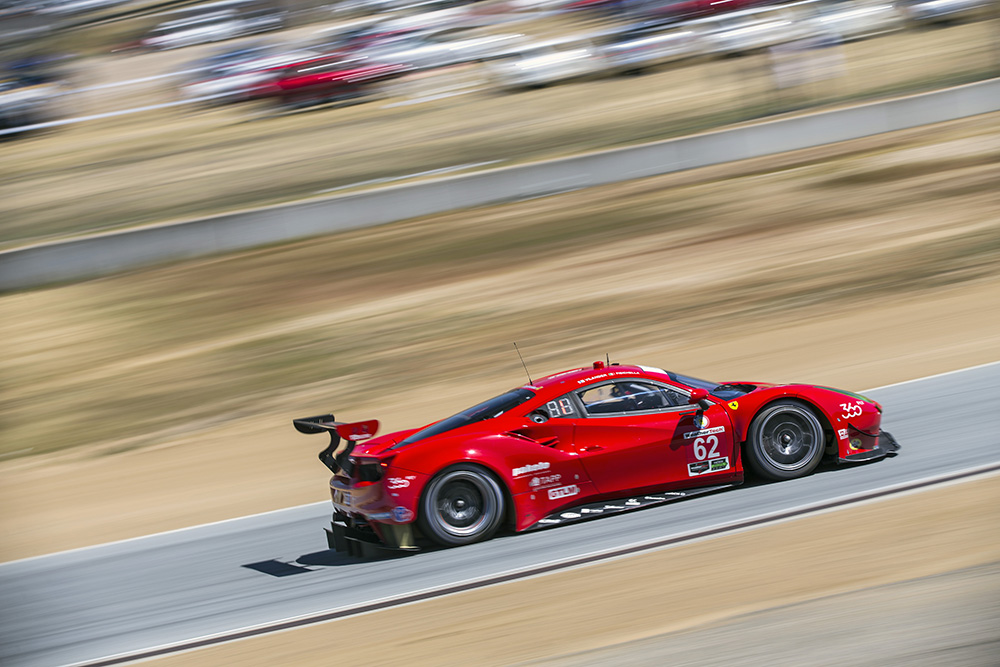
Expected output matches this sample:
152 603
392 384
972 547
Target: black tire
461 505
785 441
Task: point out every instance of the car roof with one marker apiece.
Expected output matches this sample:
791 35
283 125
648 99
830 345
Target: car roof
589 374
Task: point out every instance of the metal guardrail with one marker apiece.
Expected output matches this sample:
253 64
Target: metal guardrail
105 254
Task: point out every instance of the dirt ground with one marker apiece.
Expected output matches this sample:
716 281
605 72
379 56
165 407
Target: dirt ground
580 611
952 618
162 398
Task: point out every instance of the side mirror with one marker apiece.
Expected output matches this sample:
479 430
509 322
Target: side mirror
700 396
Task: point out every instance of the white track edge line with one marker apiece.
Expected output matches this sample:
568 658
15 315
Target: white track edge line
175 531
779 516
935 375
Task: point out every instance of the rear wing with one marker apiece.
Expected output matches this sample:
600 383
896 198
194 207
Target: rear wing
336 455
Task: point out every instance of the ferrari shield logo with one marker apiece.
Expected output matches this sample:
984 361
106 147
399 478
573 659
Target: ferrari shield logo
733 405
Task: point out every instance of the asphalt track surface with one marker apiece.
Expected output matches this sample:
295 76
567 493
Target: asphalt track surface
118 598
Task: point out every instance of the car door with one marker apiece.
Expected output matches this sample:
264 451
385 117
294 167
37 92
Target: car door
638 434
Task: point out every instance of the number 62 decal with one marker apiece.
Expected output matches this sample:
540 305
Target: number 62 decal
706 447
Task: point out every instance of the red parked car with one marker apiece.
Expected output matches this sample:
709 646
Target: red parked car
329 78
577 445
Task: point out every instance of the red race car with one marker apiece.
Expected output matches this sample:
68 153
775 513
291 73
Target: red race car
330 78
578 445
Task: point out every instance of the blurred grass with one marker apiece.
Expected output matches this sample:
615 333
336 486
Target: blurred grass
169 164
361 317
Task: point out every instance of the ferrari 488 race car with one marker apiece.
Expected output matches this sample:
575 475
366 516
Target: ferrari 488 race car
578 445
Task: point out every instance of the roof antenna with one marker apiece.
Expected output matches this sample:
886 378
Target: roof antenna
523 364
607 358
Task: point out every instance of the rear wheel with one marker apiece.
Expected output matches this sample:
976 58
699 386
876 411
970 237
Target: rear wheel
785 441
462 505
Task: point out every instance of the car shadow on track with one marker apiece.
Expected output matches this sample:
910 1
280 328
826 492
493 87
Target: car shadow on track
310 562
825 467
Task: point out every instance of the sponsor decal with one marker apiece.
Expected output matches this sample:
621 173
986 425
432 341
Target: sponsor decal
855 443
564 492
713 465
701 421
398 483
707 431
719 464
851 410
530 468
697 468
842 434
601 376
734 405
402 514
546 480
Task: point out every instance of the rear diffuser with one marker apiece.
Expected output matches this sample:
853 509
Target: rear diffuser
604 508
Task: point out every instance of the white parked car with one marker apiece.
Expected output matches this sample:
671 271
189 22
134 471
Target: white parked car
548 62
428 50
750 30
856 20
941 11
211 27
638 48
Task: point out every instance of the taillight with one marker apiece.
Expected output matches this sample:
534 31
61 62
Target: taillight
369 470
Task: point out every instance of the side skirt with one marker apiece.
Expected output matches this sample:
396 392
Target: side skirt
627 504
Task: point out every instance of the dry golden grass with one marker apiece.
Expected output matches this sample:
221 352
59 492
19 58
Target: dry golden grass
129 359
170 390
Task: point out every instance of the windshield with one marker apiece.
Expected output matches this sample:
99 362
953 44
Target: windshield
693 382
477 413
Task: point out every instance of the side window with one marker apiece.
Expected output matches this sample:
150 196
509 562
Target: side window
676 397
628 396
601 400
562 407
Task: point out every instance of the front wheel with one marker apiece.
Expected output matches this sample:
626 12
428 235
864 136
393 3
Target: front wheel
785 441
462 505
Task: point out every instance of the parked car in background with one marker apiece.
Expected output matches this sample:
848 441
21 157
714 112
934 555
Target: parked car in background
235 80
331 78
212 27
944 11
25 101
642 46
548 62
750 30
440 48
852 19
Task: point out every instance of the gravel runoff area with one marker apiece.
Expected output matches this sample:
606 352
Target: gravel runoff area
951 618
